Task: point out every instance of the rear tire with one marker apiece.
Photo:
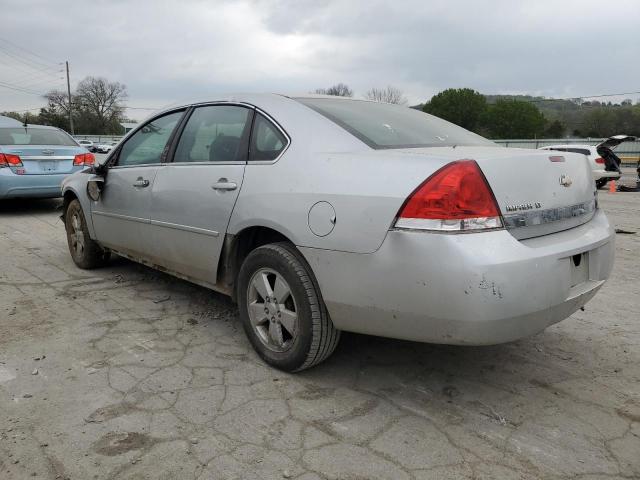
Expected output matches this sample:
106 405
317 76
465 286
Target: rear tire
85 252
282 310
601 182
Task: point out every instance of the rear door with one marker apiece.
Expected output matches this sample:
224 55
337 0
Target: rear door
194 195
121 216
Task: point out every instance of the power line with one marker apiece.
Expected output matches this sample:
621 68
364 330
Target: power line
29 63
24 71
29 81
21 111
19 89
31 52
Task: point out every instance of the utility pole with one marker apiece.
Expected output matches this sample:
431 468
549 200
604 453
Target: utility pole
69 92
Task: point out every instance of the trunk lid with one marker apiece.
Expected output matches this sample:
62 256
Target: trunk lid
45 159
613 142
538 192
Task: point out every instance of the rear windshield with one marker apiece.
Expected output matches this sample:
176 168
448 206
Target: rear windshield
34 136
382 125
583 151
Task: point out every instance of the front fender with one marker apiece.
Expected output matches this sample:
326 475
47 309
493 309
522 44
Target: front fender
75 186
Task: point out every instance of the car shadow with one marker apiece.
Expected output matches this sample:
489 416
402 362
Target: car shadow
29 205
485 382
451 381
535 362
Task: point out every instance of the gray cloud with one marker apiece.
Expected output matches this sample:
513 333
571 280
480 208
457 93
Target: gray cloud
167 51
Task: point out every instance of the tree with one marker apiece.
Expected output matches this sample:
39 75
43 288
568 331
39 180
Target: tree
514 119
386 95
554 129
462 106
14 115
56 113
101 102
97 107
337 90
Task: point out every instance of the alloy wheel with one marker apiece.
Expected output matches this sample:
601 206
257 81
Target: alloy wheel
77 235
272 310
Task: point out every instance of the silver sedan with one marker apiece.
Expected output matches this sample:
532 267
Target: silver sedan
322 214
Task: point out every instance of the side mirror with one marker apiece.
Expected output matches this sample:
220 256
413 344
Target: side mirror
94 187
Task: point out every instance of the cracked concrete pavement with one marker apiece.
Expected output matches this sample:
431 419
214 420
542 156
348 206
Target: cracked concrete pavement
128 373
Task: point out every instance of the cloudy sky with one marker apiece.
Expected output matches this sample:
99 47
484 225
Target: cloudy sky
168 51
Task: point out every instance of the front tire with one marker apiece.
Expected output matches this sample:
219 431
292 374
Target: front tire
282 310
85 252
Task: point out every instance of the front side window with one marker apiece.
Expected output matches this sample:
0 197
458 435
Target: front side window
216 133
147 144
382 125
267 142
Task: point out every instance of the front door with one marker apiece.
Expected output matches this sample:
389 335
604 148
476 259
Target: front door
193 196
121 215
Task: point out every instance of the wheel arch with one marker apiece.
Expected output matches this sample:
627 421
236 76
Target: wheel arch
237 246
69 194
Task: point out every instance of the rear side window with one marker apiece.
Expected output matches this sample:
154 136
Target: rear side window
216 133
147 144
34 136
267 141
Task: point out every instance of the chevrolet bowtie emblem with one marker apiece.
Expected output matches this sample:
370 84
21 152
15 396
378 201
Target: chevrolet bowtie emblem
565 181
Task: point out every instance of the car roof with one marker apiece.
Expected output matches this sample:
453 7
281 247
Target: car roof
21 125
252 99
9 122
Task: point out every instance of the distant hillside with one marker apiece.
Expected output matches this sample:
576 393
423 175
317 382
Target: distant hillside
582 118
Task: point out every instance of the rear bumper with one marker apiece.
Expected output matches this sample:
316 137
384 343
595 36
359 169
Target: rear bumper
35 186
467 289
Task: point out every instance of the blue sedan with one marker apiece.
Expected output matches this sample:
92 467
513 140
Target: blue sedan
34 159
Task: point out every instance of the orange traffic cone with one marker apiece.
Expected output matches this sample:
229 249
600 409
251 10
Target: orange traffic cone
612 186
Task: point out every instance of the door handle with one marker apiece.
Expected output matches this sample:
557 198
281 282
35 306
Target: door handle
141 182
224 184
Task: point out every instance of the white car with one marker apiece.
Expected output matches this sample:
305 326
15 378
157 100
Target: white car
604 163
88 144
105 147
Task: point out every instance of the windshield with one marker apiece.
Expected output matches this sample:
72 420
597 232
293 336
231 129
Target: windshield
34 136
382 125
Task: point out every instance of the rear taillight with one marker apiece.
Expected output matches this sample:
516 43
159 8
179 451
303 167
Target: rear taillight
600 160
455 198
84 159
10 160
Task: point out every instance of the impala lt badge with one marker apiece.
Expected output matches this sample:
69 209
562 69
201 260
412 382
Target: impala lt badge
565 181
523 207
